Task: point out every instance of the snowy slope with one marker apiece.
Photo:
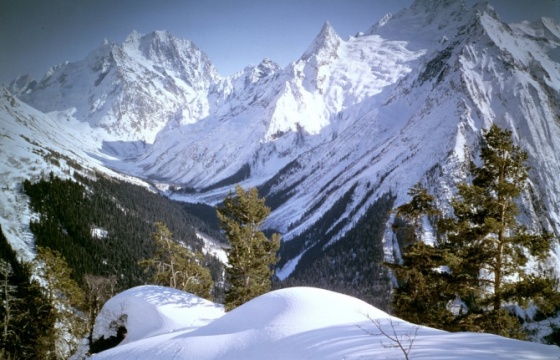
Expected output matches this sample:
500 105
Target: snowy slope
33 145
155 310
294 323
427 126
359 113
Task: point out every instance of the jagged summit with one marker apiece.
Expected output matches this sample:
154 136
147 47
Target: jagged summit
325 44
22 84
133 37
485 7
433 6
171 54
423 22
131 89
264 69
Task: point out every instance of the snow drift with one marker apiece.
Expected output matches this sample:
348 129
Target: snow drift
154 310
293 323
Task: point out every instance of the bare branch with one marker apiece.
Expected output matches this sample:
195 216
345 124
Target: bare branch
403 342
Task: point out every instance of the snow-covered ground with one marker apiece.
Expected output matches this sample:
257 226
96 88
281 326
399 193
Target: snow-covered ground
293 323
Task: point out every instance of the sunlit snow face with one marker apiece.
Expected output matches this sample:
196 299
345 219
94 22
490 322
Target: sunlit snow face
293 323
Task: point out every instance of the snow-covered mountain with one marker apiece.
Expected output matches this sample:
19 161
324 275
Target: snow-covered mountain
475 72
355 119
132 89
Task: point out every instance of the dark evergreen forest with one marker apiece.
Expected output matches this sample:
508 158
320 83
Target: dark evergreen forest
124 215
353 265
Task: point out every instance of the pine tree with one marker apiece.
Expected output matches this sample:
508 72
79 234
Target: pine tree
420 206
7 301
34 321
176 266
423 290
251 255
66 297
27 306
483 248
491 249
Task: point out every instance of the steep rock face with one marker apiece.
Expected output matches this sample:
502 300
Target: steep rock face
131 90
511 80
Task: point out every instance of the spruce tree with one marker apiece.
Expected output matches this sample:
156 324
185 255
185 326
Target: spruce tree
30 316
490 247
483 248
251 255
7 301
174 265
423 290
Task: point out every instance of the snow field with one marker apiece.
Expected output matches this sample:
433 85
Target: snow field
292 323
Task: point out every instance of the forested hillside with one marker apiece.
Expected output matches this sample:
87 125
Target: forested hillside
353 265
103 226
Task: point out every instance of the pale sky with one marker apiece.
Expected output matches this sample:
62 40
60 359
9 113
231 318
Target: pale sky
37 34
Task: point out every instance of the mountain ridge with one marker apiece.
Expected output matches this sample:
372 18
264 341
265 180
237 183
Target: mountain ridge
353 119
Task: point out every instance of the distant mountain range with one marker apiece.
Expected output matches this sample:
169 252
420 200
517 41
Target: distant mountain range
349 123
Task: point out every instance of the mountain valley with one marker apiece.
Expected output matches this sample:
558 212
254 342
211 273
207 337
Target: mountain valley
333 141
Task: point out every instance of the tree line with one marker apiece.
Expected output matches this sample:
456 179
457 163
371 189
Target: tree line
70 212
92 236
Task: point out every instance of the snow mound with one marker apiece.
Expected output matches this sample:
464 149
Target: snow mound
153 310
297 323
290 311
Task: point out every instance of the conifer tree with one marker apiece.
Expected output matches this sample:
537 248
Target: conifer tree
491 249
176 266
420 205
483 248
251 255
7 300
423 290
23 337
67 300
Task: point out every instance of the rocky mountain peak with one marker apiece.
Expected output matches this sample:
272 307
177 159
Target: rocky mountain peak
131 89
325 44
22 84
172 55
433 6
265 69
